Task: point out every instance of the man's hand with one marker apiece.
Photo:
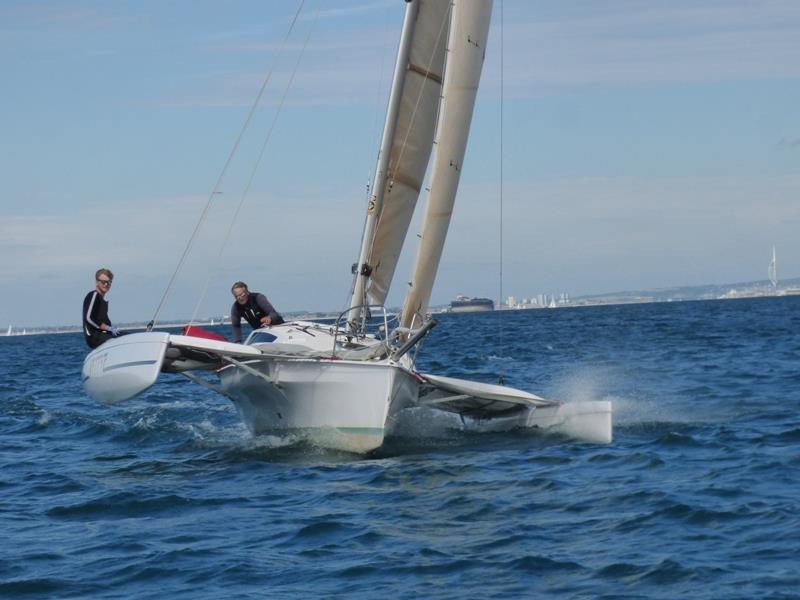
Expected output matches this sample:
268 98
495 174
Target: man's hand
266 320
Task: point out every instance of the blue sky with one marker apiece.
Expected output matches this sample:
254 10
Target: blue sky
645 144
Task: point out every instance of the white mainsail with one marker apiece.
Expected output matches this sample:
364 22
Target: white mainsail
772 270
406 146
466 50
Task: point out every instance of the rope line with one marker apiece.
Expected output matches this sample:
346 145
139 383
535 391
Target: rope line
500 332
257 163
376 138
219 181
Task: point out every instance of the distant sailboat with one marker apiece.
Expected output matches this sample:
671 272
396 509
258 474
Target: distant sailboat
772 270
9 330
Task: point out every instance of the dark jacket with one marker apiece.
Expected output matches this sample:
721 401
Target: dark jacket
256 308
95 314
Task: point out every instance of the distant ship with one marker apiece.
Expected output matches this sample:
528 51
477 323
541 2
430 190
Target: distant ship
464 304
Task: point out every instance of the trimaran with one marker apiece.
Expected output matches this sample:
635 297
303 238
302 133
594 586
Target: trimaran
342 385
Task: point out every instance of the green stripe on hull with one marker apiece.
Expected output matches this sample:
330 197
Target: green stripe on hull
361 430
349 439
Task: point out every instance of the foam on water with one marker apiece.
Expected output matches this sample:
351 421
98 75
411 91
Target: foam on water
424 423
44 419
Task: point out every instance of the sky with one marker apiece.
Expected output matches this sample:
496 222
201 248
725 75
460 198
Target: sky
615 145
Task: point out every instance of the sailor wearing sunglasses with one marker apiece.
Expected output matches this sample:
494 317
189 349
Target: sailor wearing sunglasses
97 327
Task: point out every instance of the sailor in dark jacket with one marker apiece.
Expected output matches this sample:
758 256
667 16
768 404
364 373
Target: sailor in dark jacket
254 307
97 327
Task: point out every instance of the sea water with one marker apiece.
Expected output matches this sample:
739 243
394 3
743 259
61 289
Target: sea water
167 495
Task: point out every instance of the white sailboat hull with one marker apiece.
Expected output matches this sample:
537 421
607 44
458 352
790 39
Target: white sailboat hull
351 406
585 421
124 367
335 404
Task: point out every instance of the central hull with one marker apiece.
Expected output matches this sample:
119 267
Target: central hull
336 404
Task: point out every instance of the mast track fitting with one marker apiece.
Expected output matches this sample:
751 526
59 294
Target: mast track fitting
366 270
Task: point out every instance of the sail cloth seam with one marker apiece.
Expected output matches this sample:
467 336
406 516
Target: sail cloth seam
257 163
414 184
220 179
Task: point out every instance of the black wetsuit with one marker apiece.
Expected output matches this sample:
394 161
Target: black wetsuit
256 308
95 314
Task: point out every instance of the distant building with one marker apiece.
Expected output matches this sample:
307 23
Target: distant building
464 304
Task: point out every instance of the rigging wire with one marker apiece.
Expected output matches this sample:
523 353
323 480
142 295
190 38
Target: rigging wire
257 163
376 135
501 378
220 179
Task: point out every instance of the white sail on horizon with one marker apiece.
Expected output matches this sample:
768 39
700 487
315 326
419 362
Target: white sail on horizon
772 270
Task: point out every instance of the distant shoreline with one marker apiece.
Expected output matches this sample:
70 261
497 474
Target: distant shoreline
732 294
584 301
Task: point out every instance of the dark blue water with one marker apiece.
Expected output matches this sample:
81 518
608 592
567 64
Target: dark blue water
167 496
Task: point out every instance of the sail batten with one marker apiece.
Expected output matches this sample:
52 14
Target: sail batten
425 73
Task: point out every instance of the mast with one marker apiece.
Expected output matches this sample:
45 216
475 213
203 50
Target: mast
362 269
469 31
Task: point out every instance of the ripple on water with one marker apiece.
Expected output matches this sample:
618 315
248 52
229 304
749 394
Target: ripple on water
169 496
120 505
537 564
